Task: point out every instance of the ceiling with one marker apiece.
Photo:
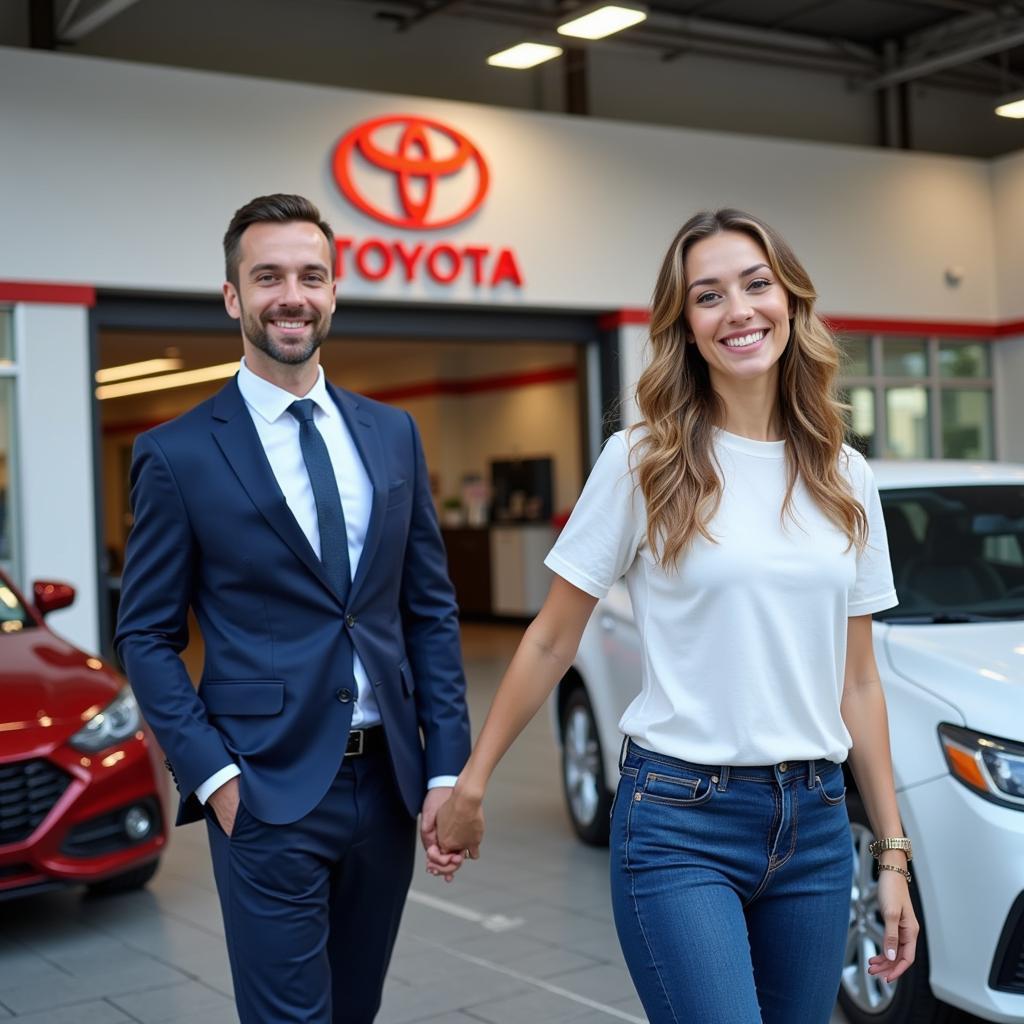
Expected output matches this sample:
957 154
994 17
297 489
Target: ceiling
972 51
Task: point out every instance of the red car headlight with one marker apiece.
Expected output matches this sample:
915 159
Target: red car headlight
116 722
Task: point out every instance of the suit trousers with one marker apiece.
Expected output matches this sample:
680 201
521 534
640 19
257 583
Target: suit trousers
311 909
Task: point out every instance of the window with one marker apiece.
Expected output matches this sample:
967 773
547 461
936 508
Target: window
904 357
906 423
6 340
964 359
919 397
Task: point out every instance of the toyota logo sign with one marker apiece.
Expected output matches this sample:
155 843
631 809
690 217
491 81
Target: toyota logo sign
411 172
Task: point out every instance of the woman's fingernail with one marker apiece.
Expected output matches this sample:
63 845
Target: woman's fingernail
890 954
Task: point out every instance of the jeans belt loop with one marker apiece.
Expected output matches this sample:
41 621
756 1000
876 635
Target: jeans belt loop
622 752
723 778
812 773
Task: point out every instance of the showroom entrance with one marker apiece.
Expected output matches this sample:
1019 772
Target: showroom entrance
511 408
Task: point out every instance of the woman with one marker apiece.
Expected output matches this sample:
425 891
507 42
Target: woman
753 545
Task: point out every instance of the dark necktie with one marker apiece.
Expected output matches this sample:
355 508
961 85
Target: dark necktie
330 517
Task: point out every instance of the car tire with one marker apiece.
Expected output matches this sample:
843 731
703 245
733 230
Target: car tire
586 796
909 1000
129 881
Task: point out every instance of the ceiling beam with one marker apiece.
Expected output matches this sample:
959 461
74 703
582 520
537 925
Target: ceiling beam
404 22
666 32
95 18
67 16
961 6
1002 38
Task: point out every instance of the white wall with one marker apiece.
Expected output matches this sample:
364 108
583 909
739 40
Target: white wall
138 169
633 354
1008 199
55 490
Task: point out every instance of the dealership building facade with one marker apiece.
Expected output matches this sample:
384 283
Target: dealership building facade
500 230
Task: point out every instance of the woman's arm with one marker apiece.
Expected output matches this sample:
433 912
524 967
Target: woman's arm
863 710
541 660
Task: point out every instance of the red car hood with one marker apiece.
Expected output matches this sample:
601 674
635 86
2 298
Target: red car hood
45 683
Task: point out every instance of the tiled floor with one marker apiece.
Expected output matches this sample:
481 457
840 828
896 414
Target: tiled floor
523 936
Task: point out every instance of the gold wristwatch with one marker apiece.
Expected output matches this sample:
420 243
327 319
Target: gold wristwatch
892 843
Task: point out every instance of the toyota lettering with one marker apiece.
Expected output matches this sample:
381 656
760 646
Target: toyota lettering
418 174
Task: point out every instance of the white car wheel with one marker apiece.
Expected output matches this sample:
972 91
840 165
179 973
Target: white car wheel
586 796
863 999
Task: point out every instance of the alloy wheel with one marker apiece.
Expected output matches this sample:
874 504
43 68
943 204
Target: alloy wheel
866 933
582 765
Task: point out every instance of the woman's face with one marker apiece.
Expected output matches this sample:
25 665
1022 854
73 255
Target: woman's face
736 309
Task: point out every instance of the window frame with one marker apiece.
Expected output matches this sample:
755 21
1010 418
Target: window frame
9 371
933 382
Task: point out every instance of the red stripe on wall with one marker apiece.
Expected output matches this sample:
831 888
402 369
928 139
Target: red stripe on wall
30 291
474 385
864 325
623 318
943 328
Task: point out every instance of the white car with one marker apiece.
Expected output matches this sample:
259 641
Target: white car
951 657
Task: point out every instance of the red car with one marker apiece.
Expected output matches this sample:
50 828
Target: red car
83 792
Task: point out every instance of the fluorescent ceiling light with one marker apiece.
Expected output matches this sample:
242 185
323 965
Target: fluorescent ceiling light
143 369
1011 106
603 21
524 55
168 380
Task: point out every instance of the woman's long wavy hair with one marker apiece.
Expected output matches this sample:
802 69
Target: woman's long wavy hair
676 467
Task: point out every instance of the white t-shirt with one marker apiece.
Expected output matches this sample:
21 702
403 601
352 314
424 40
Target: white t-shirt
744 643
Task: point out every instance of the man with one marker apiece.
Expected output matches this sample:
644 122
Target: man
295 518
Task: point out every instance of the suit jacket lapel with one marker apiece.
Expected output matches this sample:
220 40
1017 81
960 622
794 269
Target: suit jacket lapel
235 434
366 435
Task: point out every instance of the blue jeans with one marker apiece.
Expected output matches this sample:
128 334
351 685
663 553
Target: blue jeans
731 888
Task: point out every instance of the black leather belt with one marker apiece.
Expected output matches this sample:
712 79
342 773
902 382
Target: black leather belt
365 741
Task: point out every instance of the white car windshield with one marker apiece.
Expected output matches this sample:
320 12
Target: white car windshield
957 552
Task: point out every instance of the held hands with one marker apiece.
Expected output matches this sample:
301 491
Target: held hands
460 823
438 862
224 802
900 943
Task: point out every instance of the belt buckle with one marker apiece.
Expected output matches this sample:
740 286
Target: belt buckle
359 734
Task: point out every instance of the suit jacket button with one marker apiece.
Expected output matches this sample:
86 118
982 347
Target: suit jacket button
344 696
350 621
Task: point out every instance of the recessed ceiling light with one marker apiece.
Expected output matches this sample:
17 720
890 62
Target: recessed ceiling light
1011 106
524 55
603 21
169 380
142 369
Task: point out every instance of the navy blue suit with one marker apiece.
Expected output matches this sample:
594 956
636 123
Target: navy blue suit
212 531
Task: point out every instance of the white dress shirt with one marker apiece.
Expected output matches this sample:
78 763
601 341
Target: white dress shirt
278 431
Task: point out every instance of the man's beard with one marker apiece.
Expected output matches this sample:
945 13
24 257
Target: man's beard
257 332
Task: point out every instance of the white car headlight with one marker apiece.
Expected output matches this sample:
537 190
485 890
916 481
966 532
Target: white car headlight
992 767
116 722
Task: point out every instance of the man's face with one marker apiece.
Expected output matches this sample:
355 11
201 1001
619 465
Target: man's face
285 293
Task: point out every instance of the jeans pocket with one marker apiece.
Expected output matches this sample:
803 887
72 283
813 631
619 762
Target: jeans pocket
831 789
677 790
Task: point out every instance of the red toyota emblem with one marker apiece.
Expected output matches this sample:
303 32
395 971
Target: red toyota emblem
439 177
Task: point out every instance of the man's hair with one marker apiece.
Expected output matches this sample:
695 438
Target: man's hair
279 208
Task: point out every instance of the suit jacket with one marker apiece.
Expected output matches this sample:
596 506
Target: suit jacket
212 530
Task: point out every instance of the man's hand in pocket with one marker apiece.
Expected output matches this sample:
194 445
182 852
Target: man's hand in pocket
224 802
